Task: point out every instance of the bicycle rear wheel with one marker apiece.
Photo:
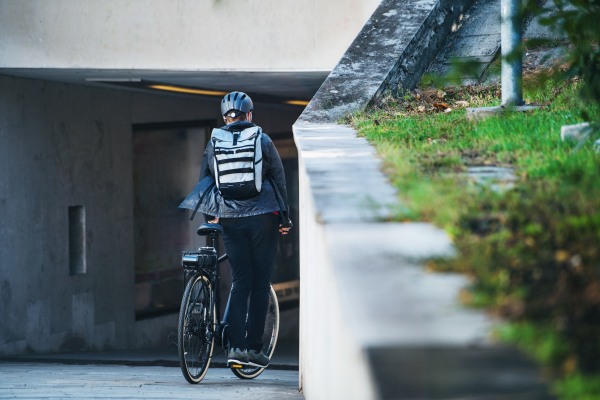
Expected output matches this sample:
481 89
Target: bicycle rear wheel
269 338
195 330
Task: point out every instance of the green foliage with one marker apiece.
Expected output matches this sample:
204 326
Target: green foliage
578 387
544 343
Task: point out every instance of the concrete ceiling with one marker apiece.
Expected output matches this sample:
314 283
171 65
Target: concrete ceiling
275 87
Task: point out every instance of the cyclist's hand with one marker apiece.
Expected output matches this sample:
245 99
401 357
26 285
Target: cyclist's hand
214 221
283 230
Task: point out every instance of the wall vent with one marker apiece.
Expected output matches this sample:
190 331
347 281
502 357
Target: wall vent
77 263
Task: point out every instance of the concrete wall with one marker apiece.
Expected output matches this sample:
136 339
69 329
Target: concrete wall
66 145
179 34
60 147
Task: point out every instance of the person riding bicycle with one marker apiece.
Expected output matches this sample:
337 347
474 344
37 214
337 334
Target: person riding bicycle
249 200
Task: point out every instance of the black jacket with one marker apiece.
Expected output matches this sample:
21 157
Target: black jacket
207 199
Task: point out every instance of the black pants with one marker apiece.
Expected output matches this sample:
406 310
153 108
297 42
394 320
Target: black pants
251 245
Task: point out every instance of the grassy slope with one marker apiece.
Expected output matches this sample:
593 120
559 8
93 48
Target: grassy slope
533 250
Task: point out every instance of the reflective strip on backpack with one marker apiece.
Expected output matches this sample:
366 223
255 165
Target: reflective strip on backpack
258 157
231 160
238 151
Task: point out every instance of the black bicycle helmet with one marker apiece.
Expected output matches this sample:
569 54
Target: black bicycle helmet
237 101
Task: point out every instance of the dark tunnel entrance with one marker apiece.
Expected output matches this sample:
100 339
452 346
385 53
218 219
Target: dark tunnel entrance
166 165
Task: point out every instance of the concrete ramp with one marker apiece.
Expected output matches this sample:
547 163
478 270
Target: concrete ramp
389 55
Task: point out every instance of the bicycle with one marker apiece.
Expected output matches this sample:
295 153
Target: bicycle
200 325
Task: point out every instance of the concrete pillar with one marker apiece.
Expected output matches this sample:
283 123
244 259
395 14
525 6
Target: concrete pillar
512 61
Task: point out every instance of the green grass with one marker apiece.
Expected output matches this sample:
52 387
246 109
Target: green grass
534 250
578 387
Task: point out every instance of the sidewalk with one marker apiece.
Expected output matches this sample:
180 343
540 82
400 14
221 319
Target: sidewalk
142 374
26 380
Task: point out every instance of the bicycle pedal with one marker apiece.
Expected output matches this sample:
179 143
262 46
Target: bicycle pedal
236 366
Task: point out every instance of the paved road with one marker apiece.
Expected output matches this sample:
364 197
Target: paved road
26 380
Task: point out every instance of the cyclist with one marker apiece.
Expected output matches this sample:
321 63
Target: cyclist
250 225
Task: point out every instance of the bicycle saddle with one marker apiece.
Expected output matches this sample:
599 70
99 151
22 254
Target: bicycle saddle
208 229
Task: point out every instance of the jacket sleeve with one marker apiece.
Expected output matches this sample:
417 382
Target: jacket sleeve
275 172
205 171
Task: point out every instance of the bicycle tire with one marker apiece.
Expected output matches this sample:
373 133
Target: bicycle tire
195 329
271 333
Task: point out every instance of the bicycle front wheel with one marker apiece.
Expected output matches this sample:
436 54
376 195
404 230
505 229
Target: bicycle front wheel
269 338
196 327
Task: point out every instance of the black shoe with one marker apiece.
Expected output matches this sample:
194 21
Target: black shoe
237 356
257 359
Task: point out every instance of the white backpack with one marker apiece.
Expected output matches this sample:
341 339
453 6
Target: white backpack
238 162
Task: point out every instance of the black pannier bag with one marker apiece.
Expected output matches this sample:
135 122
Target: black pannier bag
205 257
